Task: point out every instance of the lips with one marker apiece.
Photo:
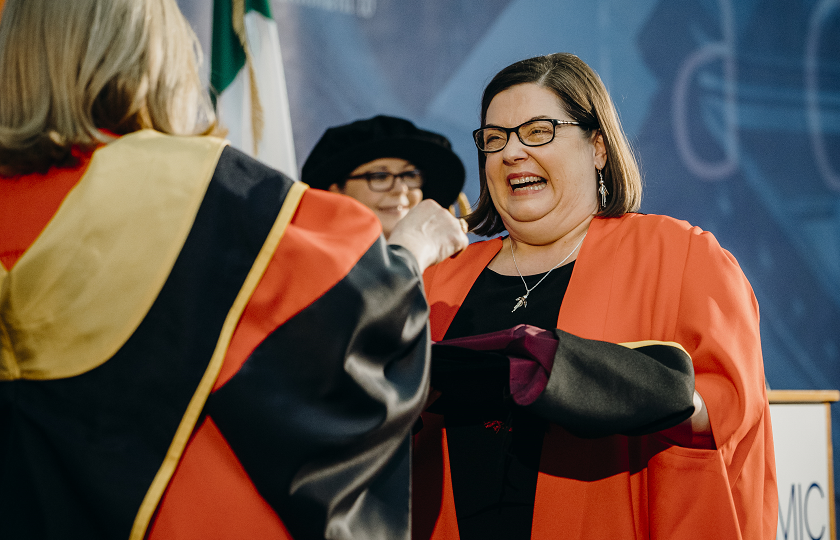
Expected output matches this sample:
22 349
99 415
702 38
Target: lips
523 184
393 209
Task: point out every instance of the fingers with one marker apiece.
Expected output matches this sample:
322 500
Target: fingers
431 233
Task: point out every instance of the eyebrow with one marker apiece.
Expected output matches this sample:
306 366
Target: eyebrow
540 117
384 168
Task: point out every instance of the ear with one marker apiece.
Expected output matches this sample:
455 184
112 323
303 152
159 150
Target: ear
600 154
335 189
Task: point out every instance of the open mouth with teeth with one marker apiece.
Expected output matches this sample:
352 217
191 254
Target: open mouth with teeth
524 184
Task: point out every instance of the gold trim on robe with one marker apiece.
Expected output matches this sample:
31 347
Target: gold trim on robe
83 287
191 415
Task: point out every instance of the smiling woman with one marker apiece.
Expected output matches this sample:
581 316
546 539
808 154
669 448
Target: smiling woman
599 371
549 188
387 164
388 186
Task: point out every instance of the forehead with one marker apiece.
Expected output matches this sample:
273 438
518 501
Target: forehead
524 102
383 164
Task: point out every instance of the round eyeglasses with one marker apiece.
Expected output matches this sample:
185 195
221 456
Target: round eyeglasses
384 181
531 133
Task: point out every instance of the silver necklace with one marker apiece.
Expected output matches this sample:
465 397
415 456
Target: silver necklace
522 301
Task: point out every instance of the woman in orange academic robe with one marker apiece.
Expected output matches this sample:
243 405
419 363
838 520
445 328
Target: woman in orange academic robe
648 418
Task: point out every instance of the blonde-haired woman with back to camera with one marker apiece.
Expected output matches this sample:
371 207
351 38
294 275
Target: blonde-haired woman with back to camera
190 344
137 74
598 371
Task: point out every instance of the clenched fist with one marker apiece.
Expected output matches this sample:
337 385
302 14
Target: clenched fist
430 233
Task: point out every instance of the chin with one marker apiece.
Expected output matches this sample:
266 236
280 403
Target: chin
527 215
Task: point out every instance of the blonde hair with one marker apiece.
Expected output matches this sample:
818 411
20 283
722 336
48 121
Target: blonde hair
69 68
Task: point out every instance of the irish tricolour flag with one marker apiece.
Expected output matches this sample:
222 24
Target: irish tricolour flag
247 74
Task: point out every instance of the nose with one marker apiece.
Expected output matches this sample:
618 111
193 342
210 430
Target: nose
399 186
514 150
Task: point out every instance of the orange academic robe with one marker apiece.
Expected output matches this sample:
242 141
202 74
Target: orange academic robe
638 277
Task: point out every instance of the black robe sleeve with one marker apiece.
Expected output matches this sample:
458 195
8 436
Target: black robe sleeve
594 388
597 388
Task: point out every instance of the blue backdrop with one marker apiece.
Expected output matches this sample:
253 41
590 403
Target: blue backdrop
733 107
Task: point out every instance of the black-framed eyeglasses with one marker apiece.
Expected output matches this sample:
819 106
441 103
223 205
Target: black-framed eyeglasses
531 133
384 181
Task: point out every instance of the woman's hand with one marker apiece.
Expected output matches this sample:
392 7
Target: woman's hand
430 233
695 431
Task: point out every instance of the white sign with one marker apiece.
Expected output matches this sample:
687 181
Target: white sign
802 466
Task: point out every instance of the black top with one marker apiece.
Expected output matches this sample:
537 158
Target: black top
489 304
494 451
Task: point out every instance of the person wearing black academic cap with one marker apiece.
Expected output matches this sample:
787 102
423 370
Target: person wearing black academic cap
386 163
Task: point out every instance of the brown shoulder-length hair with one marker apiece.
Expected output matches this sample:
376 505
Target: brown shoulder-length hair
70 68
586 100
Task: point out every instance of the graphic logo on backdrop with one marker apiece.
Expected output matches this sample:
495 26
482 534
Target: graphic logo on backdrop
707 53
816 116
723 95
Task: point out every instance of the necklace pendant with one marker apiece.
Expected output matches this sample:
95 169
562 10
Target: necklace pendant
520 302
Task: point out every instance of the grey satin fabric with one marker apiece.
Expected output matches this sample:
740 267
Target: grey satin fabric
320 414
